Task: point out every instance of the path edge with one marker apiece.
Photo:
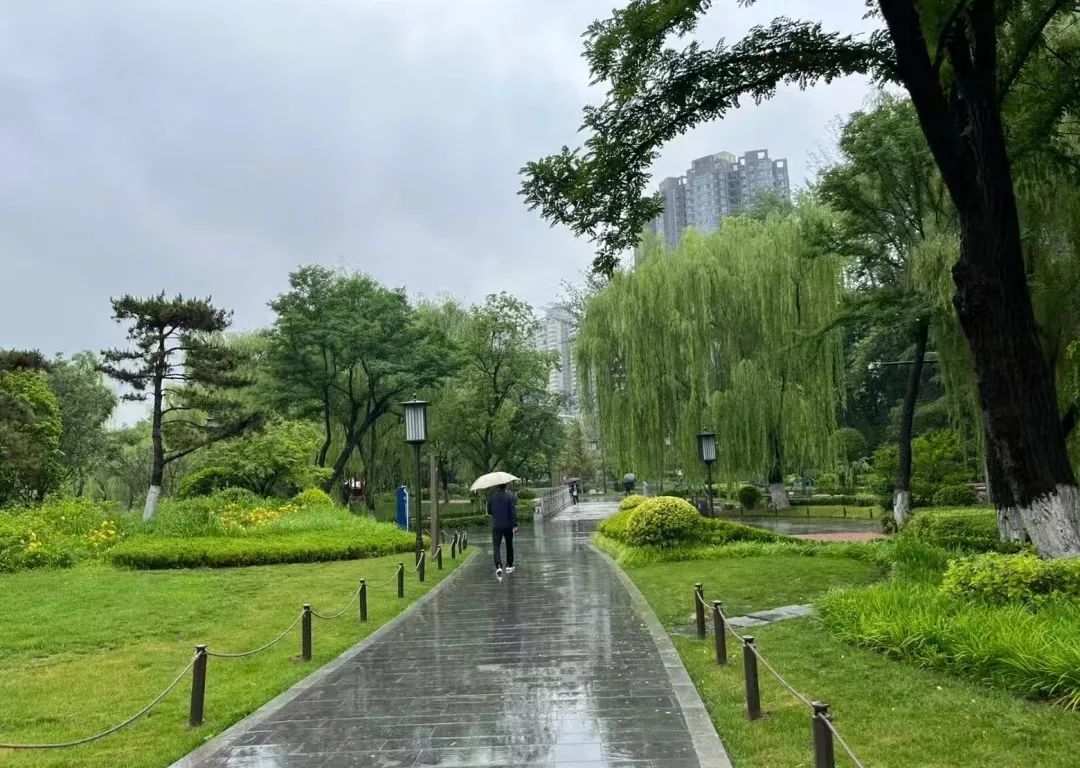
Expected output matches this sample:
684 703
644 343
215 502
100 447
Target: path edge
707 744
194 758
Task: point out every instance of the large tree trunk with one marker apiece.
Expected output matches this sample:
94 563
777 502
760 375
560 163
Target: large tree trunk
1019 403
328 430
157 472
902 499
778 494
369 466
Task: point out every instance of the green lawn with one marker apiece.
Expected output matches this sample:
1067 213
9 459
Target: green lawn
894 715
849 512
87 647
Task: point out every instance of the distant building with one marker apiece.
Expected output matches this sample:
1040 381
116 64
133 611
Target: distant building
557 331
715 187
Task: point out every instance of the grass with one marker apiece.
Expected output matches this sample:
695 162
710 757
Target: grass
894 715
848 511
87 647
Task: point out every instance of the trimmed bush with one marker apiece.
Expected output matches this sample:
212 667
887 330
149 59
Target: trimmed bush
631 501
968 530
313 497
616 527
1031 652
749 496
662 521
715 531
997 578
956 495
526 494
364 538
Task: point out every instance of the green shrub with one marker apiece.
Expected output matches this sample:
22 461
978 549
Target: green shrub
968 530
526 494
1035 653
998 578
749 496
662 521
715 531
834 499
205 482
955 495
827 482
313 497
59 533
631 501
617 526
363 538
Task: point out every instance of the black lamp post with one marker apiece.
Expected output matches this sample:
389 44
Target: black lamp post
706 443
416 435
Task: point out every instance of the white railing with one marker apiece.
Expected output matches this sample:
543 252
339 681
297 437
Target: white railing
552 502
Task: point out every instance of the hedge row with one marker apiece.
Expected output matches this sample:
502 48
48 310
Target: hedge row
965 529
666 521
155 552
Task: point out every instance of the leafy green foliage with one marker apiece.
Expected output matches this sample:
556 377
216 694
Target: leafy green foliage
722 328
969 530
662 521
631 501
749 496
1025 578
274 461
58 533
1033 653
313 497
361 538
938 459
346 349
497 412
86 403
30 435
956 495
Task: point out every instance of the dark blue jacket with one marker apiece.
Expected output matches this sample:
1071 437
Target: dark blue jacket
502 506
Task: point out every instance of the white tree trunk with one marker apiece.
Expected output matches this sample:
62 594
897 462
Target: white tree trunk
901 507
1053 522
151 502
1011 524
779 497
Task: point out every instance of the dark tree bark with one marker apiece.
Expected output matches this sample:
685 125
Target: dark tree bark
902 499
1017 392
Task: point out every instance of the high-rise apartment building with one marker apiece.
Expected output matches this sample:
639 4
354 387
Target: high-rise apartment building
715 187
557 331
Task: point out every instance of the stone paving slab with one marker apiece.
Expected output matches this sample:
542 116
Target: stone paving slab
552 666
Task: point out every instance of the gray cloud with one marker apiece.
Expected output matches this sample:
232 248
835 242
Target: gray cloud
210 147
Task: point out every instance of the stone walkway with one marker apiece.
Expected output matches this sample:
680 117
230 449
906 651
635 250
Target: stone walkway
553 666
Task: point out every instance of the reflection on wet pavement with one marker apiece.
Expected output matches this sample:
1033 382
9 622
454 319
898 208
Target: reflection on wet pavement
551 666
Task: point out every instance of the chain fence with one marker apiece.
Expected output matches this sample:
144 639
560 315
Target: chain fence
198 663
825 732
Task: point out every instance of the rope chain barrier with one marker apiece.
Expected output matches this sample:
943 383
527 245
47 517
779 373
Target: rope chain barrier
423 554
840 740
339 614
780 678
275 641
141 713
388 581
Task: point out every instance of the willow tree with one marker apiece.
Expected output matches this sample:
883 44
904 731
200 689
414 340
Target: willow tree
720 332
961 62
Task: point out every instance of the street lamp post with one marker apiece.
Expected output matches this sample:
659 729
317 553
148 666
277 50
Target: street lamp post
416 435
707 453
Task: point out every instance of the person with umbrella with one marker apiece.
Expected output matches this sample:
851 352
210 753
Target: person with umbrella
502 507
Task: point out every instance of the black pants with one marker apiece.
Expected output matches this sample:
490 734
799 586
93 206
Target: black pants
497 538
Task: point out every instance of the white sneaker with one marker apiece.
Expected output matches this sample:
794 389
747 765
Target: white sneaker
510 569
498 573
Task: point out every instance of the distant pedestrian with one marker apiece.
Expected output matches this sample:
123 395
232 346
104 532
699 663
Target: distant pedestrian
575 493
502 506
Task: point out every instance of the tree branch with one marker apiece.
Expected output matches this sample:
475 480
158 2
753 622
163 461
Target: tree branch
1027 48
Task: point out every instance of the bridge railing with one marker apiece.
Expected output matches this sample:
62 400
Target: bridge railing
552 502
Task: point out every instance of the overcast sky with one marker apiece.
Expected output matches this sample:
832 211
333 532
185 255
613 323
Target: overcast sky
211 146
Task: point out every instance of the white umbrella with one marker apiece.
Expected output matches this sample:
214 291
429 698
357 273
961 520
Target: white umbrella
491 480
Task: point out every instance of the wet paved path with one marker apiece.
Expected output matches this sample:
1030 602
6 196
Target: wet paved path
553 666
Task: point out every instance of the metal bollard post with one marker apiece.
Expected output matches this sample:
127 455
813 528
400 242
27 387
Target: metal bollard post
401 579
438 556
305 633
699 610
824 756
420 566
198 687
718 630
453 547
753 695
465 537
363 599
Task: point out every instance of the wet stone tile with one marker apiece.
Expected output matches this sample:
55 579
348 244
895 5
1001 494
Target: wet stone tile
549 667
